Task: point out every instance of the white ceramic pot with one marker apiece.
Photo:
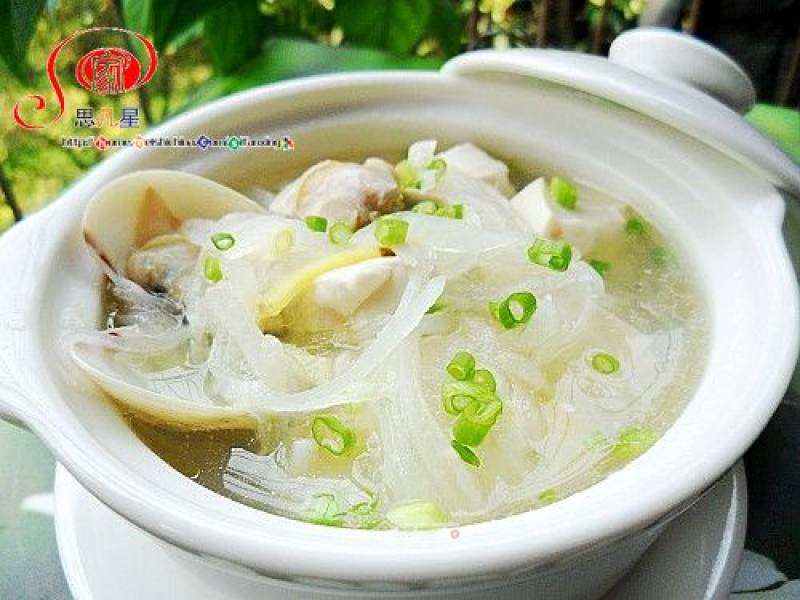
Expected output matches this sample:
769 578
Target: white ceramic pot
661 146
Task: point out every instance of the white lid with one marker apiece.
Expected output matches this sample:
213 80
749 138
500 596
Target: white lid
665 75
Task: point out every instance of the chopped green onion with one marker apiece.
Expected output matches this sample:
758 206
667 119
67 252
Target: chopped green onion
484 378
223 241
340 233
466 454
605 363
212 269
515 310
406 175
456 395
633 442
317 223
462 366
333 435
364 508
417 515
548 496
436 307
483 413
326 511
660 256
390 231
635 226
438 164
476 421
471 397
426 207
552 254
456 403
284 241
601 266
454 211
468 433
563 193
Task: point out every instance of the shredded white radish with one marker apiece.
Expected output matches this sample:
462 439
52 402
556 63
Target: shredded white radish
451 371
416 300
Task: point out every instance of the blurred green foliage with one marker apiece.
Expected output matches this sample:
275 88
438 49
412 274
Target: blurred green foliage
210 48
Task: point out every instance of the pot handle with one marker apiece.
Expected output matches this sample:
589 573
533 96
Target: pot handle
676 57
20 250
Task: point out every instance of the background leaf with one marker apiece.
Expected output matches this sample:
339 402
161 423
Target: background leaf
288 58
170 18
234 33
446 24
395 26
136 15
782 124
17 24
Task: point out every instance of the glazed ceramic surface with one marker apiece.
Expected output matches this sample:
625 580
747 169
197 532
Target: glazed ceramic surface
695 557
727 218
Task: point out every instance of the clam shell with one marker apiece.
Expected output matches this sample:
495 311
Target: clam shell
129 211
120 217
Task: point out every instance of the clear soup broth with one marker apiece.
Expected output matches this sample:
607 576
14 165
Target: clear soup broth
565 337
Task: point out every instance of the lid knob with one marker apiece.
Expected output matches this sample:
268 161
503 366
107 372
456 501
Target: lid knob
680 58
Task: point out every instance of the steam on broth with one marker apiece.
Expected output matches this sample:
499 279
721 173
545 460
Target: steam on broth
414 345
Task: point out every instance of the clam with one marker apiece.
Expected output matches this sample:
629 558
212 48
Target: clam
139 208
133 226
340 191
151 232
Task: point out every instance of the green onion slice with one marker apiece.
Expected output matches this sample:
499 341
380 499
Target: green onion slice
468 433
212 269
548 496
406 175
365 508
555 255
317 223
333 435
563 193
605 363
436 307
483 413
484 378
426 207
391 231
439 165
456 395
340 233
417 515
223 241
601 266
454 211
466 453
635 226
462 366
632 442
515 310
326 511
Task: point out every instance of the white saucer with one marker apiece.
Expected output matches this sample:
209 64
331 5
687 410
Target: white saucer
104 556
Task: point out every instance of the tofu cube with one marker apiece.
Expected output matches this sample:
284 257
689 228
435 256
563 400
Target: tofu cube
473 161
